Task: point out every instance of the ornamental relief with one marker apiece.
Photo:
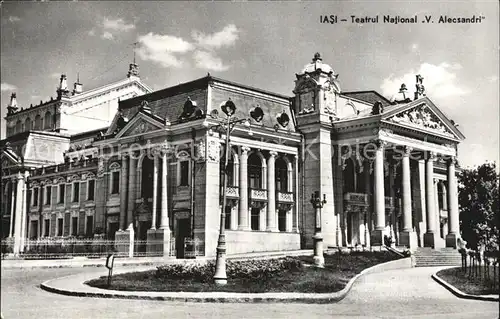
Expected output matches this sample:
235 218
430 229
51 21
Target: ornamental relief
421 117
213 151
141 127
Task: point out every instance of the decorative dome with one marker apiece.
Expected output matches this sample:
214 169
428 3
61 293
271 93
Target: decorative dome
317 63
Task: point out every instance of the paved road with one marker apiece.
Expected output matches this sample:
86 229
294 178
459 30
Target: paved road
409 293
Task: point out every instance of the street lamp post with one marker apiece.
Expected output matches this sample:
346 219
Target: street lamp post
220 277
317 203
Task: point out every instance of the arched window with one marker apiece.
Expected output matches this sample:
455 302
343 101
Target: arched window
349 180
38 122
19 126
281 173
47 120
254 171
28 124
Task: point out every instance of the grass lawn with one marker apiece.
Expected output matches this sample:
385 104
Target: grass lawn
470 285
332 278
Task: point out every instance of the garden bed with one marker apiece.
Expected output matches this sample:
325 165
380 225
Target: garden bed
461 280
290 274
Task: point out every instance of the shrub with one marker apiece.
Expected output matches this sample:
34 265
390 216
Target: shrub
246 269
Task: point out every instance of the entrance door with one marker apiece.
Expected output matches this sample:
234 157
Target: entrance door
183 231
142 236
34 229
112 229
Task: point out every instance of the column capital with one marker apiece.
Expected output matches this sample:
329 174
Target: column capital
245 150
432 156
407 150
452 161
273 153
380 144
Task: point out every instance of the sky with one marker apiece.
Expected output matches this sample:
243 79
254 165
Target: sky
263 44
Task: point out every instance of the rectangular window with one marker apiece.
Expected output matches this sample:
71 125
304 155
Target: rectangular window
76 192
90 226
184 173
60 226
74 226
282 220
48 195
228 217
46 224
62 193
115 182
254 218
90 190
35 197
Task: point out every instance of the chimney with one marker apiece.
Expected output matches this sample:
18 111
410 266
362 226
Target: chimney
62 89
77 87
12 107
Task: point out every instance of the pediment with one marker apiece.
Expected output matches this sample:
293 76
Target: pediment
140 124
9 158
423 115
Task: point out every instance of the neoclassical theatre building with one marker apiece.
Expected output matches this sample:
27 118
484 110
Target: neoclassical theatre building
387 167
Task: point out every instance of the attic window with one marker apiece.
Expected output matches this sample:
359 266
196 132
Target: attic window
257 114
283 119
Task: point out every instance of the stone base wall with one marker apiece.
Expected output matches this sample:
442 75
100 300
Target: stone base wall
238 242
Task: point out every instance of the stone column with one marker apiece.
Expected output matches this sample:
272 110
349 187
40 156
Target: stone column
132 194
18 226
406 233
296 197
445 195
271 193
422 217
155 192
289 214
453 223
243 184
24 214
12 206
392 195
368 191
438 211
430 204
123 193
377 236
164 223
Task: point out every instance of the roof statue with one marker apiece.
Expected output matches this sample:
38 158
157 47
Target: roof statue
419 86
402 96
317 64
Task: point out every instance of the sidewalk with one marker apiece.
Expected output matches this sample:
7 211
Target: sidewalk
136 261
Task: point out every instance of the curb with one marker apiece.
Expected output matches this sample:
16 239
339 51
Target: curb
461 294
226 297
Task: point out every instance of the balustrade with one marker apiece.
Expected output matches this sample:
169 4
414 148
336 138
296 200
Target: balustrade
356 199
257 194
284 197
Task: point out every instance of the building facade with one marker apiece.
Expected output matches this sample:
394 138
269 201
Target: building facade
387 169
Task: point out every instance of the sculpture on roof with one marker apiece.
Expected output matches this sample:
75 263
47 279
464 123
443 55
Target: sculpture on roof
377 108
402 96
419 86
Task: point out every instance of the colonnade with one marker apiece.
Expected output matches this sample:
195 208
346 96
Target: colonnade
432 213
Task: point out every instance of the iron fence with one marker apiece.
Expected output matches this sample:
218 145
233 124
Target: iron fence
60 248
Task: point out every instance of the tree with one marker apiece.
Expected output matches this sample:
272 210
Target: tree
478 204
